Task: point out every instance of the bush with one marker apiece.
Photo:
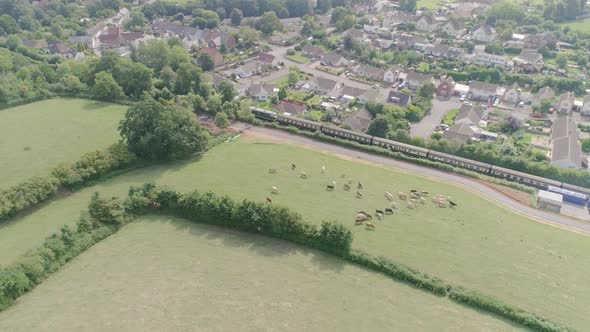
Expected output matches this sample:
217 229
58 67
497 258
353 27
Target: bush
486 303
26 194
32 268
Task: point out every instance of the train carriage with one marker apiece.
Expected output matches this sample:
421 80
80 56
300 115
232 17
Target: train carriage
459 161
261 113
299 123
579 189
400 147
348 134
524 178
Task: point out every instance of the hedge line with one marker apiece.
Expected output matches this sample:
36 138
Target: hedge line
486 303
90 167
249 216
395 155
284 224
106 216
58 249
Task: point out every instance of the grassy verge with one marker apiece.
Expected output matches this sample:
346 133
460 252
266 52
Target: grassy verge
297 57
330 70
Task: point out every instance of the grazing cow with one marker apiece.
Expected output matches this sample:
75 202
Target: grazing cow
363 212
293 167
379 216
323 169
346 187
414 195
379 211
402 196
359 222
442 205
422 200
334 183
330 187
424 193
413 191
369 226
388 195
359 186
272 170
275 190
361 217
349 181
388 211
452 204
268 200
394 205
359 195
411 205
303 175
434 199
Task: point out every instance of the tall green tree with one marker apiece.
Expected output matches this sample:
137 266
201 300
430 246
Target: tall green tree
269 23
379 126
155 131
106 88
236 16
206 62
227 91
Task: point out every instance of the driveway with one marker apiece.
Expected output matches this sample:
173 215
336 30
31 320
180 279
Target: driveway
426 127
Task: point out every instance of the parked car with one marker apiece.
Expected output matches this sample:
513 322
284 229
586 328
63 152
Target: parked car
323 63
462 98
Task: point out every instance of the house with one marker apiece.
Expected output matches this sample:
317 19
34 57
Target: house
335 60
427 23
487 59
565 103
529 61
62 49
355 34
115 37
260 91
545 93
249 69
512 95
467 9
395 18
399 98
322 85
445 87
360 121
349 93
470 115
166 30
216 38
312 52
482 90
290 107
372 95
459 133
370 72
536 41
268 60
484 33
215 55
585 110
453 27
565 148
406 41
216 79
392 74
417 80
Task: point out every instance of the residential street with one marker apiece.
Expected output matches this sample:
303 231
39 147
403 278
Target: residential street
426 127
483 189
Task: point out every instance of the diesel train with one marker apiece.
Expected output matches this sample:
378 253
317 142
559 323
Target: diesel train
415 151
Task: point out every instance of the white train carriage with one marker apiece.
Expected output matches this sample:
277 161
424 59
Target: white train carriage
459 161
524 178
400 147
347 134
297 122
578 189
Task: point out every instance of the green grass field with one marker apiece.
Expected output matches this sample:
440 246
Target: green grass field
582 25
478 245
163 274
36 137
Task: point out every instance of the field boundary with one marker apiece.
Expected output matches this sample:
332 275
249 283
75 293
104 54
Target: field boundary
106 216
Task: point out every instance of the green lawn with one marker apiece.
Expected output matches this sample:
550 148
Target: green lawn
164 274
449 118
582 25
36 137
478 245
297 57
430 4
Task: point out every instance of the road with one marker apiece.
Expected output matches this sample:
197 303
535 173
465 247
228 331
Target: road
426 126
486 191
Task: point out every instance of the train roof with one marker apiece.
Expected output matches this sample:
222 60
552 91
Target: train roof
530 176
294 118
258 109
576 188
352 132
417 148
566 192
465 160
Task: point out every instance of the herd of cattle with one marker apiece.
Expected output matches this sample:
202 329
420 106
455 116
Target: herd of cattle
412 199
